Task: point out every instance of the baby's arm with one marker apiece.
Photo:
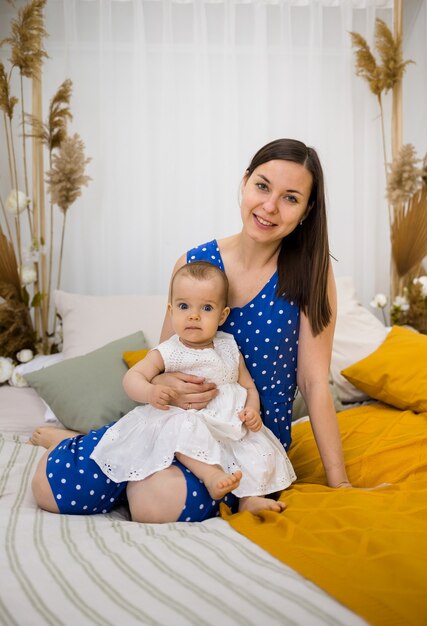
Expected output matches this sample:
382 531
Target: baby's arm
250 414
137 382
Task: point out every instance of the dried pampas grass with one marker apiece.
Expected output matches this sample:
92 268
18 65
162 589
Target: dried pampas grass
404 176
26 40
390 51
8 265
7 102
366 65
409 234
66 176
385 75
16 329
53 133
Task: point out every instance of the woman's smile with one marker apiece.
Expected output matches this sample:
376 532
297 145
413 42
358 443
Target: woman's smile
263 222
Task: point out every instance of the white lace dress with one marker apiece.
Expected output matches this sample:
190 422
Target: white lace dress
145 440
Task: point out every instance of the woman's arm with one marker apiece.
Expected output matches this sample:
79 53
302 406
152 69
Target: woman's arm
314 357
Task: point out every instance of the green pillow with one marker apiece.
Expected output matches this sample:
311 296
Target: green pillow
86 392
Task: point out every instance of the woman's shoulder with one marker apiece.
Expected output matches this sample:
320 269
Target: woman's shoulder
202 250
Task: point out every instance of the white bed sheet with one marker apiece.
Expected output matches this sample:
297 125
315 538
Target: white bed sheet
104 569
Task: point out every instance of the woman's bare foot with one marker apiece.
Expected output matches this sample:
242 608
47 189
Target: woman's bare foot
255 504
48 436
219 483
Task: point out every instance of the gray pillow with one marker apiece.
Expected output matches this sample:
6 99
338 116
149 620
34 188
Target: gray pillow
86 392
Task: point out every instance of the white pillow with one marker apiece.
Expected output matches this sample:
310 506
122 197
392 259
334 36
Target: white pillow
357 333
90 322
39 362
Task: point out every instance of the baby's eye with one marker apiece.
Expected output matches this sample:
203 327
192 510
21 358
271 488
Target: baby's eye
207 307
183 306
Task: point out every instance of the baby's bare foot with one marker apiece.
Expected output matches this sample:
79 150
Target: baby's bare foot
48 436
255 504
220 483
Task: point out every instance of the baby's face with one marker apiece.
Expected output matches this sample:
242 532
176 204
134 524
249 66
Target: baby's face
197 309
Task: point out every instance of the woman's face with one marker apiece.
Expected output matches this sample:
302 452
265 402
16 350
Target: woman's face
275 199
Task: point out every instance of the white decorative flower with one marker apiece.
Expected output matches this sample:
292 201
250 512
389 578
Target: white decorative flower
422 280
17 380
28 274
379 302
400 302
16 202
6 369
31 253
23 356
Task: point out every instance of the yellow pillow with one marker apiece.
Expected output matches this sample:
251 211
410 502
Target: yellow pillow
396 373
133 356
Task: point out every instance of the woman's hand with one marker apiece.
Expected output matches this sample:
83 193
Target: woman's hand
347 485
191 392
251 418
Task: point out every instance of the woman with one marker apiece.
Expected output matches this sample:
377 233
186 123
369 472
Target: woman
282 249
283 308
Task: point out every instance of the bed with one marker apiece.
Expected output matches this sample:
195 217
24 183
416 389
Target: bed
338 557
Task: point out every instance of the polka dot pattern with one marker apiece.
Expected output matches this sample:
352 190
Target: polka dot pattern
266 331
77 494
199 506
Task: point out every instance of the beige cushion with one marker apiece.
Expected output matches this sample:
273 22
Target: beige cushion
358 333
90 322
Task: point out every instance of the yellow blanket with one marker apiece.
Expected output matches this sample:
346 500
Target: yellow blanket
368 549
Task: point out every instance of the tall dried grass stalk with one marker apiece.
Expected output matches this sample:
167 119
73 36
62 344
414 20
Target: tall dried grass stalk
65 180
397 109
42 310
383 75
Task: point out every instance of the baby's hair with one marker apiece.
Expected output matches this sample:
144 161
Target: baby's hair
203 270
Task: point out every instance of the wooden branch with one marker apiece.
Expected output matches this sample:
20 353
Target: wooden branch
397 113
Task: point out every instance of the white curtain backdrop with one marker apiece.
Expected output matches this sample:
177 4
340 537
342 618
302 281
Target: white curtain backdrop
172 98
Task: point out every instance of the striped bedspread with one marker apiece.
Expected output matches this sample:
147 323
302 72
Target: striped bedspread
105 570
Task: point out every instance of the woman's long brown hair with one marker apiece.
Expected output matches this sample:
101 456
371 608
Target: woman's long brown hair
303 263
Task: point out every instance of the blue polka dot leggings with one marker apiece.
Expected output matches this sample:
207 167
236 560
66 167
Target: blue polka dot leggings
81 488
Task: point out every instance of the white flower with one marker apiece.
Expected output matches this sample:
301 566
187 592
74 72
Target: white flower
422 280
379 302
17 380
6 369
401 303
31 253
28 274
23 356
16 202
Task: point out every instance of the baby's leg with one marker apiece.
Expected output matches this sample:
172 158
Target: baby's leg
255 504
216 481
50 436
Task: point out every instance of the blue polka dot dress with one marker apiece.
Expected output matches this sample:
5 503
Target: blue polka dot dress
266 330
